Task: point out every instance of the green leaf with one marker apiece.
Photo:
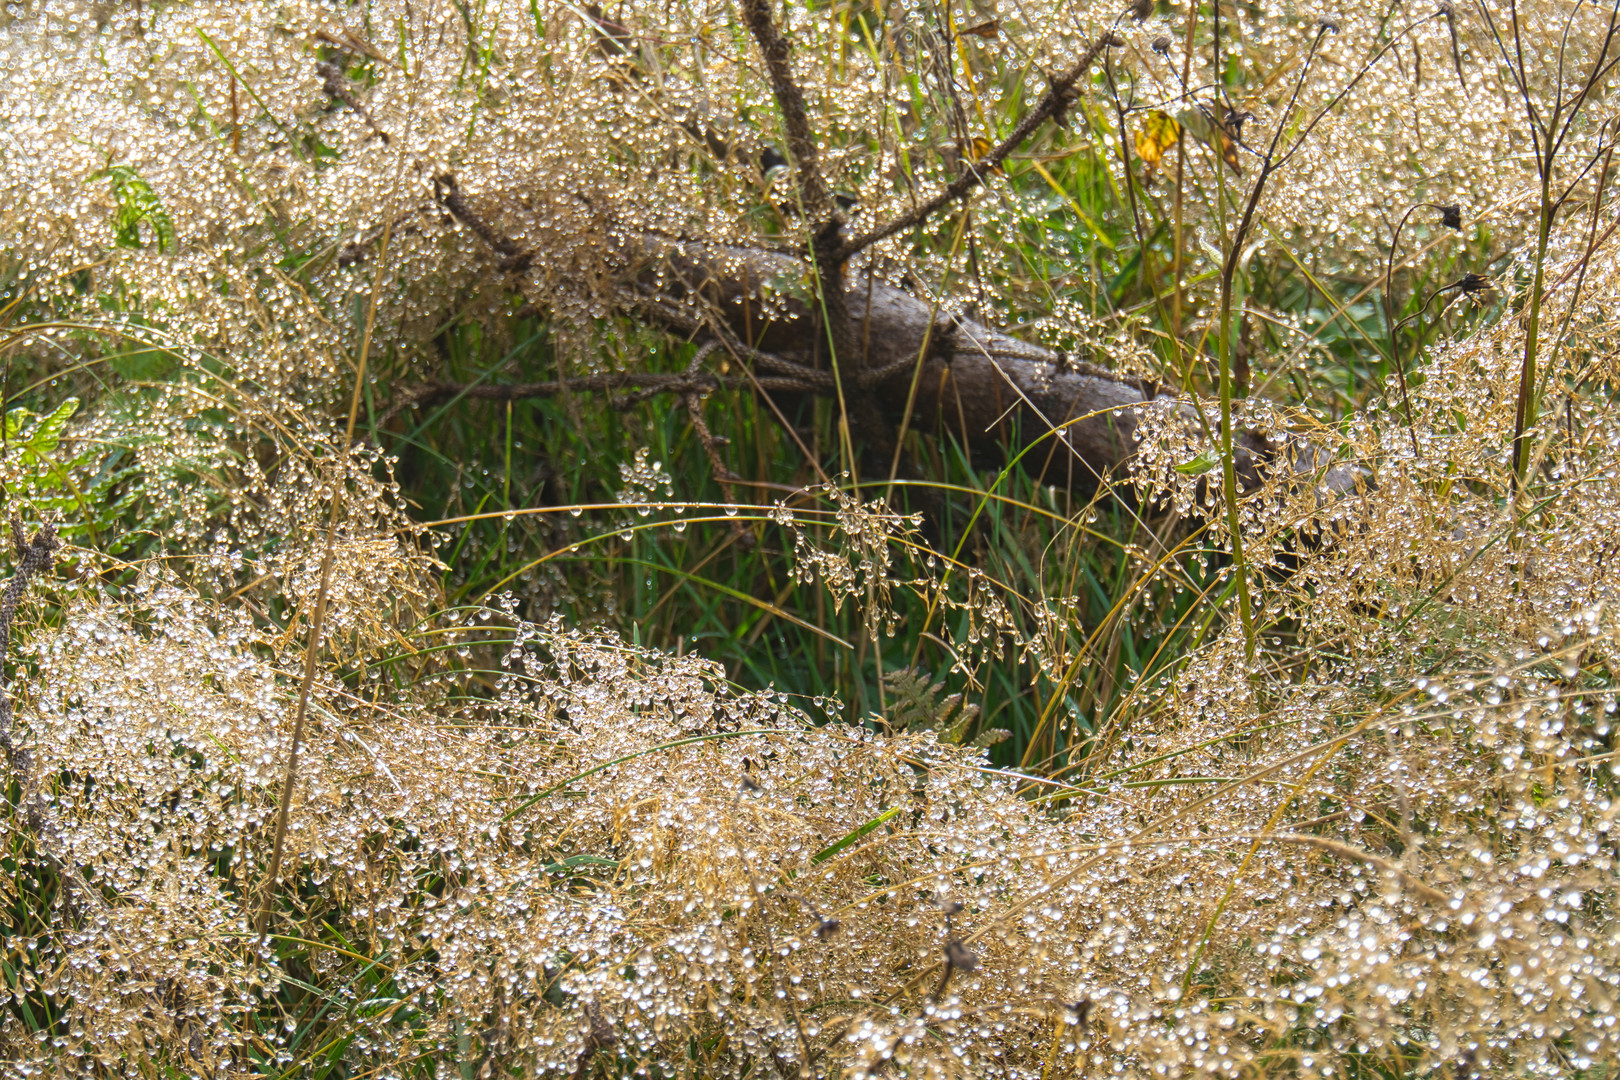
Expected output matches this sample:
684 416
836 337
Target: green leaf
849 838
575 861
137 202
915 705
1199 465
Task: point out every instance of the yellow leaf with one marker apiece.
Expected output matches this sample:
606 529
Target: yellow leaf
980 149
1159 132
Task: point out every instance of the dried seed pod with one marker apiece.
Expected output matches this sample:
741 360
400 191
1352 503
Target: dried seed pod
1445 8
960 957
1234 122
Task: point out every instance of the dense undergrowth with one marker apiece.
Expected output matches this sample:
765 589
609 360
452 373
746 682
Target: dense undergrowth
522 737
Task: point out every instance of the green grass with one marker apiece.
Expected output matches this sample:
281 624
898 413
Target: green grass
504 472
723 587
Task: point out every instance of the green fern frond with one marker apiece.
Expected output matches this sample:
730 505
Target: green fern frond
915 704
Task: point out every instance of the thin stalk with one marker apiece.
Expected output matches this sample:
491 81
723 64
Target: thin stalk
1394 327
317 620
1524 416
1268 164
1271 824
1234 524
922 354
1223 352
1181 165
1562 335
1586 259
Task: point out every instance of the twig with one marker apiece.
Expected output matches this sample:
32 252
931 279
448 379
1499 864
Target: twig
712 443
516 259
337 88
820 213
35 556
790 378
643 383
1450 13
1449 215
1053 104
790 99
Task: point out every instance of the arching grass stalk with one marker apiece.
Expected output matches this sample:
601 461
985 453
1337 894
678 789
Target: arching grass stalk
954 560
1231 886
1393 326
318 616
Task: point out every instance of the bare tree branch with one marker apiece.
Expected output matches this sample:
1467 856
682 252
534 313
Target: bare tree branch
994 392
1052 106
643 383
790 99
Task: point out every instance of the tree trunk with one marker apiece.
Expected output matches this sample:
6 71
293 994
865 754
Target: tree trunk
996 393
